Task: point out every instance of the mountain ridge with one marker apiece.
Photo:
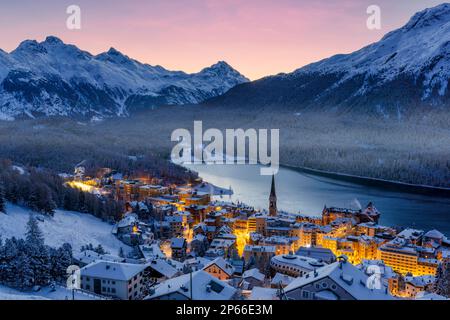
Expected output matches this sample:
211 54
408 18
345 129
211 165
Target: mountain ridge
408 68
54 78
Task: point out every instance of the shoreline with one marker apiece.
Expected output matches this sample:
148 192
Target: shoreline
376 182
390 185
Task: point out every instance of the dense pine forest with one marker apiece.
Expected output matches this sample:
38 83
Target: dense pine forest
26 263
411 150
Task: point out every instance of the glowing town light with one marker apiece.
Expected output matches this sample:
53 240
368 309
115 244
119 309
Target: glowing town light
80 185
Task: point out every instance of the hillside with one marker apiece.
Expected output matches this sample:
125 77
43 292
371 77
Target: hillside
405 73
46 293
77 229
53 78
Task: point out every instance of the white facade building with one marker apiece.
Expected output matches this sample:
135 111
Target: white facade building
119 280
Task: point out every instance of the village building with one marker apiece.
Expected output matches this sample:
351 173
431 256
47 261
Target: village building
252 278
158 270
199 245
404 258
281 280
198 285
293 265
258 255
86 257
337 281
261 293
414 285
219 268
178 247
119 280
321 254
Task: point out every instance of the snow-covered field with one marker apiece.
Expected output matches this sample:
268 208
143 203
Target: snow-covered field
75 228
60 293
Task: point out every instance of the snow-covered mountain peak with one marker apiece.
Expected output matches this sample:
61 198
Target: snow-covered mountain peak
429 17
55 78
29 46
53 40
222 69
410 49
220 66
407 68
114 56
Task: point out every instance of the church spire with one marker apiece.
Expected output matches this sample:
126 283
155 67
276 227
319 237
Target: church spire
273 199
272 188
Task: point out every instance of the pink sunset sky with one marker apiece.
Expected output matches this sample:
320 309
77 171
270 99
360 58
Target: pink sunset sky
257 37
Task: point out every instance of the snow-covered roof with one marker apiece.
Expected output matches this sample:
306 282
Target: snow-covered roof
304 263
222 243
277 240
213 253
176 264
254 248
347 276
112 270
182 213
323 254
174 219
420 281
89 256
429 296
259 293
163 267
206 287
177 243
253 273
200 225
371 210
197 263
199 237
399 245
151 186
326 295
410 234
151 251
434 234
129 220
222 264
281 278
228 236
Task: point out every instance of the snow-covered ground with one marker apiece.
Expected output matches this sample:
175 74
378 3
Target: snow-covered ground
60 293
75 228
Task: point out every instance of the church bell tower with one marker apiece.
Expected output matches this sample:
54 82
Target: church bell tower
273 199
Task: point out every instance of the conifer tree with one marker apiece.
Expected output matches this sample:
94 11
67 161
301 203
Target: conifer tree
33 232
442 284
2 198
